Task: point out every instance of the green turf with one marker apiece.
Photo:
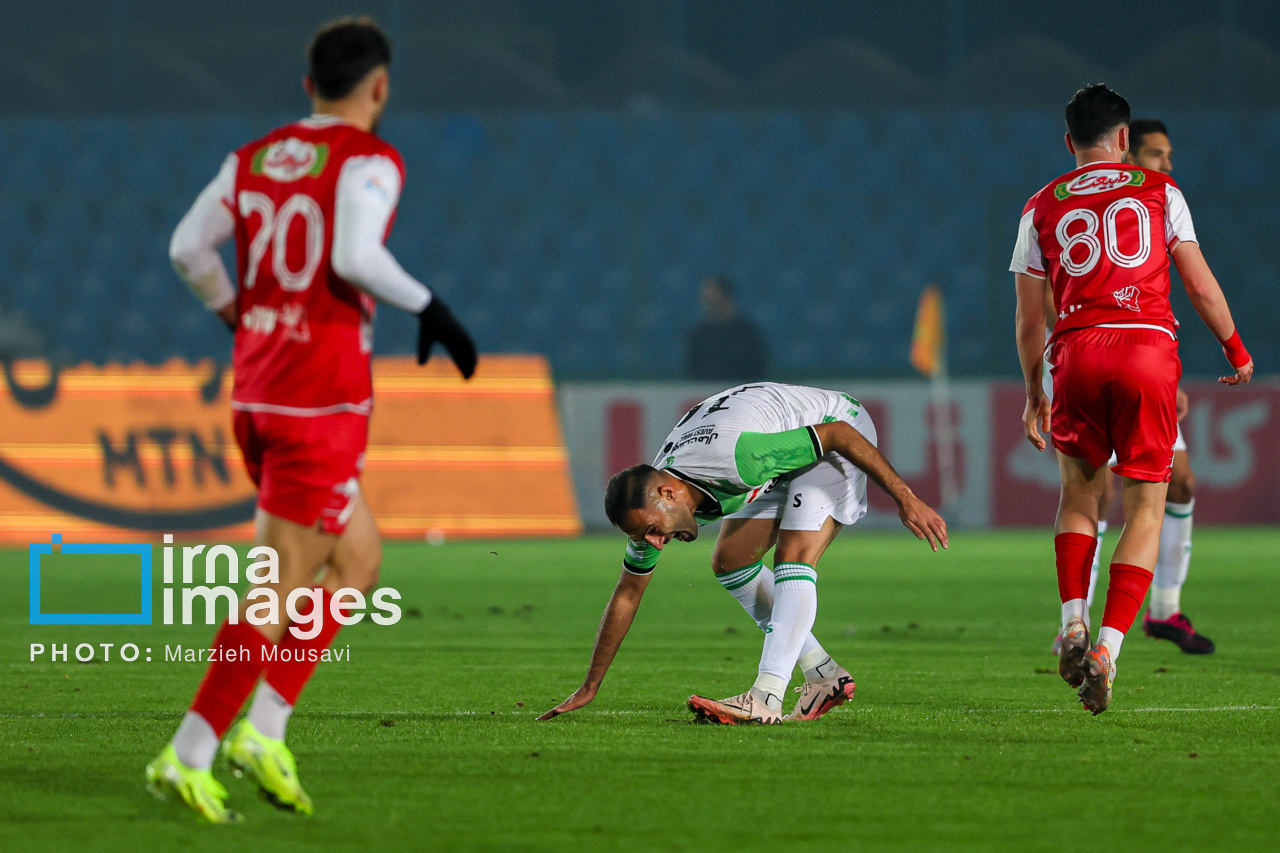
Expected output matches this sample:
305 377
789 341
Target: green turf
960 738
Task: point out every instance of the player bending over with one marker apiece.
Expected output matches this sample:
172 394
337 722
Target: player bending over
784 466
309 205
1150 148
1102 235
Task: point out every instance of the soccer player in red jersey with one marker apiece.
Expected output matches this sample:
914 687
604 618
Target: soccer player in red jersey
1102 235
1149 147
310 205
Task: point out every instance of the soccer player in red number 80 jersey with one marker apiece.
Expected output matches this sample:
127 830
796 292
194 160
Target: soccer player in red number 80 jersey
309 205
1102 234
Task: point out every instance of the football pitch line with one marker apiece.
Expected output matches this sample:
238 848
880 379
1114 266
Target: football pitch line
365 715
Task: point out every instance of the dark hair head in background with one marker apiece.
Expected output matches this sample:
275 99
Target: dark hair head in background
343 52
1094 112
1140 127
627 490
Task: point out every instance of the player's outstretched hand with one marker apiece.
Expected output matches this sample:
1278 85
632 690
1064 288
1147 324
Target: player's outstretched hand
437 323
1035 417
582 696
1242 377
920 518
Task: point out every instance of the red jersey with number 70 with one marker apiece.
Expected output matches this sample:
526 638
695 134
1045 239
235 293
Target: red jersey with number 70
304 336
1102 234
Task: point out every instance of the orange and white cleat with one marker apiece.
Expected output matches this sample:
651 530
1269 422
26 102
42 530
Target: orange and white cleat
819 697
1099 675
1071 652
745 709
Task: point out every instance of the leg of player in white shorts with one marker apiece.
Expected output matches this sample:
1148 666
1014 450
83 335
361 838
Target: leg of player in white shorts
1164 619
801 516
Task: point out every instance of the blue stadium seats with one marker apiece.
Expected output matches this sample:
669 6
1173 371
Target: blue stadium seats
584 235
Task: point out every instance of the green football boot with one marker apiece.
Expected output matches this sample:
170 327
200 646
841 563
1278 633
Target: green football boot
269 763
202 793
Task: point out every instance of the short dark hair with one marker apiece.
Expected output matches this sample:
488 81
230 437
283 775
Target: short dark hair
1140 127
627 490
1094 112
343 52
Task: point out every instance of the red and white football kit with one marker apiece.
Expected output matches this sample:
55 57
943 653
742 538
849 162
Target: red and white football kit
1102 234
310 206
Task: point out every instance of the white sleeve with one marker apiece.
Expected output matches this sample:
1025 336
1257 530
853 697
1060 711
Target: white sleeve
1026 252
209 223
1177 219
367 193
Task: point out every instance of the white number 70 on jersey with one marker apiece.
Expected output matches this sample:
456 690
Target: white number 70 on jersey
274 231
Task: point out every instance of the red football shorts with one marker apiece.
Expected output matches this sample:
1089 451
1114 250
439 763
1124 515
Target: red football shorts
1116 389
307 469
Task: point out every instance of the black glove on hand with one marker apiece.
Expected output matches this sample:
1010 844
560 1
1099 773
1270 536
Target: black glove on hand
437 323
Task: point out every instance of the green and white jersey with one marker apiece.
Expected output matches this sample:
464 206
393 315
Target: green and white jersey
735 445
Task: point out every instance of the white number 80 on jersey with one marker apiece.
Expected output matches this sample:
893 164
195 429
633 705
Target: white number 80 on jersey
1089 237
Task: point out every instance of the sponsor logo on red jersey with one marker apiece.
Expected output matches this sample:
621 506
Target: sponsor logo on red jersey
290 159
1127 297
1099 181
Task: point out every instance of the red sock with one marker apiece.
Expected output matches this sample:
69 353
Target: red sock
288 677
1074 553
228 682
1125 591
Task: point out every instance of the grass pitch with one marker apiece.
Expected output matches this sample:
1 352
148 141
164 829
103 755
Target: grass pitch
961 736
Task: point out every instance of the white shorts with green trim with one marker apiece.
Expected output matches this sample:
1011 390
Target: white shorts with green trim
832 487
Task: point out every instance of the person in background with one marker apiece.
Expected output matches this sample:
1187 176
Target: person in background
725 346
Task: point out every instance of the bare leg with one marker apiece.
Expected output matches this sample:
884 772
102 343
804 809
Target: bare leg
302 551
357 560
1182 485
1082 489
1134 559
743 541
1143 505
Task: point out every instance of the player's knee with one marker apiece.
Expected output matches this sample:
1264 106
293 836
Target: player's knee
370 570
725 560
1182 488
798 552
362 571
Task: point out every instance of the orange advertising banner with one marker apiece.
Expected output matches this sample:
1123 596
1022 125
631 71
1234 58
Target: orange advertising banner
102 453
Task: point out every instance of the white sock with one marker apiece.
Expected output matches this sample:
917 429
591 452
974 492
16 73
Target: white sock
1173 561
269 713
795 606
816 664
769 689
1112 639
1093 570
195 742
1071 610
752 586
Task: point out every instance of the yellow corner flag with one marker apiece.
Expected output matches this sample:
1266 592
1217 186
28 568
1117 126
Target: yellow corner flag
930 336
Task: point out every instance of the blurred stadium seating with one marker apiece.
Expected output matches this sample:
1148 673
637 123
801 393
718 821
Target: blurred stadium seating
583 234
